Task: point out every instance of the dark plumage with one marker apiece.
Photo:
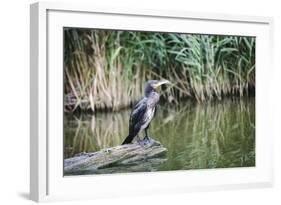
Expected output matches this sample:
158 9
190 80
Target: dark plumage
144 111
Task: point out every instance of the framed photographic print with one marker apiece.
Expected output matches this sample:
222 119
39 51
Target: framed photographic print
143 101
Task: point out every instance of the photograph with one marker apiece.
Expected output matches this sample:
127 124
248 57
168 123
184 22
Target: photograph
149 101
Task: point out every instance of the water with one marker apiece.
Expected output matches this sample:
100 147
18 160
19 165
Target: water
197 136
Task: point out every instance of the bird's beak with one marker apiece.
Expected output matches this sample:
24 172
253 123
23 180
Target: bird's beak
161 82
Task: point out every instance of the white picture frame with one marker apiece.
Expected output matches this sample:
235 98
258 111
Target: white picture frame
46 175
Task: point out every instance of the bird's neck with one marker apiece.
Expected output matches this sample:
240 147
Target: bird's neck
153 98
148 92
151 93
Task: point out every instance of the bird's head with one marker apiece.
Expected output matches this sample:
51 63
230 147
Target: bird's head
153 85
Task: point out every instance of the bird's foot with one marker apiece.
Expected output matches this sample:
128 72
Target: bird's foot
146 140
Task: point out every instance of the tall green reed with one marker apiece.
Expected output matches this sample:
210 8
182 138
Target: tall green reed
106 70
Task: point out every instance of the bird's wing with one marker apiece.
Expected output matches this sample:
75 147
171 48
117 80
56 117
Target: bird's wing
138 114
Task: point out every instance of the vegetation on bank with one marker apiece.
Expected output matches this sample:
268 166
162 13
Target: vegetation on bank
106 70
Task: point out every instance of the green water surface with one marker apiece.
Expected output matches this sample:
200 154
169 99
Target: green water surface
218 134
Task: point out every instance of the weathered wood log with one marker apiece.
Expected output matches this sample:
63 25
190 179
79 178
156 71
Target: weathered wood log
119 159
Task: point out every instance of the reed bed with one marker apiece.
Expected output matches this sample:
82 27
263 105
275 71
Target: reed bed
106 70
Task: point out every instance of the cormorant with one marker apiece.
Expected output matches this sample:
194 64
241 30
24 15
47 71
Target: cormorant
144 111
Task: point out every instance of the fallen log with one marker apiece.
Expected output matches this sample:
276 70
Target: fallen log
119 159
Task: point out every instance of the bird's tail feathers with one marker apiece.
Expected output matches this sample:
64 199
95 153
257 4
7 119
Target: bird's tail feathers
128 140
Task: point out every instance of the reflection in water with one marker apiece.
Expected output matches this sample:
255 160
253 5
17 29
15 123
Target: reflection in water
197 136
